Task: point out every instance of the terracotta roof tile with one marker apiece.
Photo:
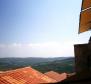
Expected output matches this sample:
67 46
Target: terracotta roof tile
1 71
25 75
56 76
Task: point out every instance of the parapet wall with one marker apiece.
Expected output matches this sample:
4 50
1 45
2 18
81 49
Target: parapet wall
82 57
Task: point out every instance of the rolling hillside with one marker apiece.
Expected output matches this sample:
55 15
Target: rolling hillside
65 65
61 64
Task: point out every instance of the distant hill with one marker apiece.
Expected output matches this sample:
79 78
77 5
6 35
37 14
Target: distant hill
13 63
65 65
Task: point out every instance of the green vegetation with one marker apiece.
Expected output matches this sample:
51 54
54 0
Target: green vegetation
63 64
66 65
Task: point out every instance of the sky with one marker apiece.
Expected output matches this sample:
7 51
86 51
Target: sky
40 28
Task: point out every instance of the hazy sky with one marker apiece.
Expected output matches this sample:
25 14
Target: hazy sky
39 28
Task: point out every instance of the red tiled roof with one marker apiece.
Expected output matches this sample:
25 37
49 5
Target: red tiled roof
25 75
54 75
1 71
